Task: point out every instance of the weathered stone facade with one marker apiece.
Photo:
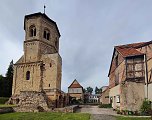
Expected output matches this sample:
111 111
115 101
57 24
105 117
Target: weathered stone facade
40 68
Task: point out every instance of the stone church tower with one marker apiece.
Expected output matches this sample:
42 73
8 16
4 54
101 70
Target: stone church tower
39 69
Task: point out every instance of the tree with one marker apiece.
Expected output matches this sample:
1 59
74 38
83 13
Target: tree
1 85
84 90
9 80
98 90
89 90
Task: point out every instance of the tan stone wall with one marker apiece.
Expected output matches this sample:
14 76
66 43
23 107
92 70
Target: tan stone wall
20 83
104 99
31 51
38 51
132 96
52 72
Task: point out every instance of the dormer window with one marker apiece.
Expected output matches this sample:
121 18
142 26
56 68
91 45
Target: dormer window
32 31
46 34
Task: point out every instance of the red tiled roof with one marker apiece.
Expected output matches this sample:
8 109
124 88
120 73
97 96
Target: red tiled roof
130 49
133 45
125 52
75 84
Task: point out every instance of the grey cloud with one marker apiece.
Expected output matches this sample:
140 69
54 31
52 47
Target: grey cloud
89 30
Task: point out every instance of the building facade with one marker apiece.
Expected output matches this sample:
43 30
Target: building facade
75 91
40 67
104 99
94 98
130 75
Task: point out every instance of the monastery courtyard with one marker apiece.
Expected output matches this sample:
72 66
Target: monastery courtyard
98 113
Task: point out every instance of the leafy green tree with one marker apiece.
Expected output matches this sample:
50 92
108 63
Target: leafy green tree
1 77
84 90
98 90
89 90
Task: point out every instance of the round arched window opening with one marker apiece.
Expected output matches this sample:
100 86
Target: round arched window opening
46 34
32 31
28 75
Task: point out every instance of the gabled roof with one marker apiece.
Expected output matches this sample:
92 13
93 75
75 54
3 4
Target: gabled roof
75 84
126 52
129 50
105 90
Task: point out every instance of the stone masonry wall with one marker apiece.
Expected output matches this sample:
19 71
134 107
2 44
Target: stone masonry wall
132 96
32 101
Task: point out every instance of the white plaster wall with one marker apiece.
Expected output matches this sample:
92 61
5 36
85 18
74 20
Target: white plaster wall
149 91
115 91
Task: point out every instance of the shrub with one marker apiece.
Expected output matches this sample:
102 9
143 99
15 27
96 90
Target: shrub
3 100
146 107
105 106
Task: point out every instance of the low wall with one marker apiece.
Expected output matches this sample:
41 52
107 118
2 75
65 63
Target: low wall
68 109
6 110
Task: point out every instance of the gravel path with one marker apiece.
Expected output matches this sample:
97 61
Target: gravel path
98 113
101 117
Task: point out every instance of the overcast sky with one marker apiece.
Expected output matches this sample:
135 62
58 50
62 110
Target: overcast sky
89 31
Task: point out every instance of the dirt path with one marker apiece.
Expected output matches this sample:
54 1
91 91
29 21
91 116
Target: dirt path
98 113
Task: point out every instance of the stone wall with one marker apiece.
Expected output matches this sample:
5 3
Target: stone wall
68 109
104 99
32 101
132 96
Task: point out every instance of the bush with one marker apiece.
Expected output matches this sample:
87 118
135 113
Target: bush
3 100
105 106
146 107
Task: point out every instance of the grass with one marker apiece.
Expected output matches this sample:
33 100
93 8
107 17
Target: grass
133 118
5 105
3 100
44 116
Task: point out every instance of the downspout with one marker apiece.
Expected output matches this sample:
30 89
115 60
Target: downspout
146 72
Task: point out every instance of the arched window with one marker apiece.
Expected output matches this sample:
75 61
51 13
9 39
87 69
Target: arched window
27 75
46 34
32 31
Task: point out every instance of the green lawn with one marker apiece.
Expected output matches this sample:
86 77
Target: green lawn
4 105
132 118
44 116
